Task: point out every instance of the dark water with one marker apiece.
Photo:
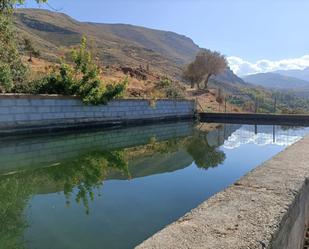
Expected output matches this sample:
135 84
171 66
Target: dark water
115 188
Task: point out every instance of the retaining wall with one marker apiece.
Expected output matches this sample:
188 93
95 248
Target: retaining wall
267 208
29 111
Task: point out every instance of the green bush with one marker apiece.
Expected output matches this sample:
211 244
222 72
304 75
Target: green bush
174 92
6 78
80 79
165 82
170 88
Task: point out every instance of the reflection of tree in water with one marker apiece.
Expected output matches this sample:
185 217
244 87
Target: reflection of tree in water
197 146
203 154
81 177
14 194
85 173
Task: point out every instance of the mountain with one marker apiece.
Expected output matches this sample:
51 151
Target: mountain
299 74
228 76
276 81
120 44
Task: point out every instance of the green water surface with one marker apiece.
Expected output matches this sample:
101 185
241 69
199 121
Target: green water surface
115 188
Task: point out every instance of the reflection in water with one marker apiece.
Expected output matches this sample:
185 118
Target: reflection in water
265 135
142 155
203 154
14 194
86 174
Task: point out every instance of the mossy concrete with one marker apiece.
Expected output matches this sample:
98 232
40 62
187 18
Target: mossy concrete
267 208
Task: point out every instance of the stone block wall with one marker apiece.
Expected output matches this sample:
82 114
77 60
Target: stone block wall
17 111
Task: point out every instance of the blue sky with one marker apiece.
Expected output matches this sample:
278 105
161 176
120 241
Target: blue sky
254 34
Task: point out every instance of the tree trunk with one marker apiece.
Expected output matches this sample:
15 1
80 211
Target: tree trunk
30 57
192 84
206 81
198 85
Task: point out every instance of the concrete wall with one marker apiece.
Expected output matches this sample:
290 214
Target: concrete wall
255 118
23 111
267 208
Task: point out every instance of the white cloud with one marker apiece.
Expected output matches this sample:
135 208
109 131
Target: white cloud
242 67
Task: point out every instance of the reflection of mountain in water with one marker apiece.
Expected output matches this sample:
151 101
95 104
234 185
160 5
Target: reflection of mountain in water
78 165
263 135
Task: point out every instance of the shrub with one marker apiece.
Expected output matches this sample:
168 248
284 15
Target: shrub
6 78
170 88
165 82
174 92
80 79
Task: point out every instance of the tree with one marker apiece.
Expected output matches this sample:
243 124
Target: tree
7 6
193 74
12 70
28 47
206 64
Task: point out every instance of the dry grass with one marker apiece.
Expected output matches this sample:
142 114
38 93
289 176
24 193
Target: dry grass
207 101
137 88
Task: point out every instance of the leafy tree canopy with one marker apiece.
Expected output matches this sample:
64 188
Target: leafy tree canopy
12 70
7 6
206 64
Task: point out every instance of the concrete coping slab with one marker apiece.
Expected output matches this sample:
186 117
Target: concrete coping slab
267 208
57 96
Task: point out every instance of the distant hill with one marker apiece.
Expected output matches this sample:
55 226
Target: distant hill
228 76
276 81
126 45
120 44
299 74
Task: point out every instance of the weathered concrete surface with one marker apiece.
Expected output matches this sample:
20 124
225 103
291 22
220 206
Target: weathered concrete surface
29 113
267 208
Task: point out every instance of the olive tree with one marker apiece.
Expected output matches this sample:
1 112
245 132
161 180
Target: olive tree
193 74
206 64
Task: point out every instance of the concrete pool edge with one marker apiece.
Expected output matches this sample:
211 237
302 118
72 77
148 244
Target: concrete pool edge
267 208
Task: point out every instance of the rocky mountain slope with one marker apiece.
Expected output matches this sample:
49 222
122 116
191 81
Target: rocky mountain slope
165 52
53 32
